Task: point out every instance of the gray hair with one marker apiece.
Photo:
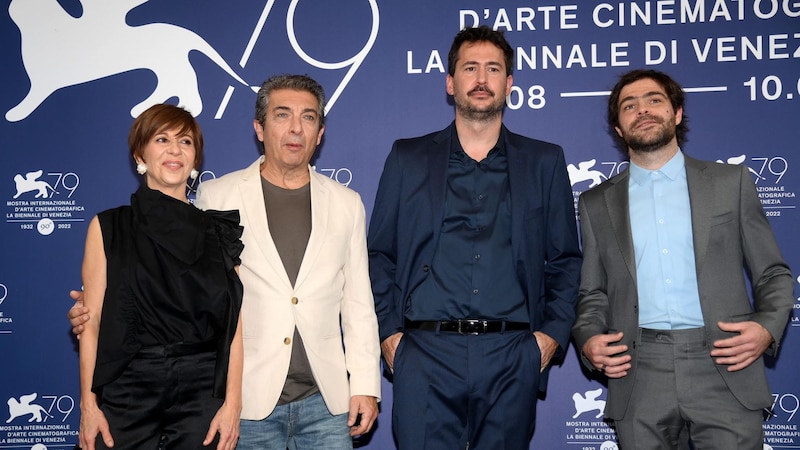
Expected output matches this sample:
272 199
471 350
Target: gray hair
294 82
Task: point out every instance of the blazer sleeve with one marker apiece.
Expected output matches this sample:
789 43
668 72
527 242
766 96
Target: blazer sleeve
382 244
563 255
770 275
359 326
593 306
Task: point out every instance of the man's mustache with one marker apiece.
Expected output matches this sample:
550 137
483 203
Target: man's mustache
646 118
481 89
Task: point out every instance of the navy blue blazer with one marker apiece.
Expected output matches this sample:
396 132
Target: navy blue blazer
407 216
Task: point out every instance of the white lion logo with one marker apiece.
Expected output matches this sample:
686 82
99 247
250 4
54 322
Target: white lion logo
583 173
24 407
739 160
59 50
588 403
31 183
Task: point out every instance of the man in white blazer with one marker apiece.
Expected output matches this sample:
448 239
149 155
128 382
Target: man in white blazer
311 354
331 282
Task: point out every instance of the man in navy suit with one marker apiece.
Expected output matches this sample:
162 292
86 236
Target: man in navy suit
474 263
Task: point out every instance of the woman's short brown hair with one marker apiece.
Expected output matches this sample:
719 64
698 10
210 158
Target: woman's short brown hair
162 117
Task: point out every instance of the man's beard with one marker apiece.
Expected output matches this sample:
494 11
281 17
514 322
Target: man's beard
650 143
485 114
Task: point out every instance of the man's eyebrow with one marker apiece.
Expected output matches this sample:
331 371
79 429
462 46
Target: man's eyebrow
286 108
648 94
490 63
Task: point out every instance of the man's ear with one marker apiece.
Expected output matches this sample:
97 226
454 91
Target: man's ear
319 135
259 129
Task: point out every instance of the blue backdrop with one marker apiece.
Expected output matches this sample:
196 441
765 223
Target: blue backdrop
76 72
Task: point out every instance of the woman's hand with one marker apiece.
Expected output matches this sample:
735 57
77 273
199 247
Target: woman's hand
93 422
226 423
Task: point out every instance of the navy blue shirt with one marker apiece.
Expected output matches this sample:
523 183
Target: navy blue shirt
472 273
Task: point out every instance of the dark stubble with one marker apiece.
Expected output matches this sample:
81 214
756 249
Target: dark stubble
485 114
650 141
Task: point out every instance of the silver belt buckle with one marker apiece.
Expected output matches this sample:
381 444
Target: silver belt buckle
472 323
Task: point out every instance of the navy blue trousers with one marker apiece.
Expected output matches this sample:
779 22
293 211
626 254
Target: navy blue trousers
455 391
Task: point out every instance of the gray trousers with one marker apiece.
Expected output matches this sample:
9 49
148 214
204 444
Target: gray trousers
679 395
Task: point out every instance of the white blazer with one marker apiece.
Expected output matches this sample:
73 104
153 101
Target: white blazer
333 283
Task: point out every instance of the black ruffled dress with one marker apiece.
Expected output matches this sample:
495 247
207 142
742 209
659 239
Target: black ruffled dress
171 283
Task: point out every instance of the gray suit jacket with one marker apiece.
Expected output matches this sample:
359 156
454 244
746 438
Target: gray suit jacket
730 233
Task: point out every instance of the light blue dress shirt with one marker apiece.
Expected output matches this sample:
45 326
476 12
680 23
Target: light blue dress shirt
661 223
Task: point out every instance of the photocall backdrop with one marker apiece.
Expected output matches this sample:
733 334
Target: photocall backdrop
76 73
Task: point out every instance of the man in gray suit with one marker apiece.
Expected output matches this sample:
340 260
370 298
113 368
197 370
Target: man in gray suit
664 309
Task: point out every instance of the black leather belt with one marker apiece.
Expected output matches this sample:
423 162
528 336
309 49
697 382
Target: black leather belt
468 326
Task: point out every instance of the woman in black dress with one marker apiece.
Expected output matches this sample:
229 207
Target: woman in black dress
161 366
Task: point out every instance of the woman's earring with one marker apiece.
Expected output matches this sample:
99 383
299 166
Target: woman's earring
141 169
193 174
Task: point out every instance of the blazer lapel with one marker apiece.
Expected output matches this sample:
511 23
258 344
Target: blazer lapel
320 208
518 185
254 216
438 156
701 197
617 205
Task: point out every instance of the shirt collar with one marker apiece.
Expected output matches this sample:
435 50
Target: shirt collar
456 150
672 169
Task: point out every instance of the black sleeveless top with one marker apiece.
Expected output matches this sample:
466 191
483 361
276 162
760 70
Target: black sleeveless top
170 280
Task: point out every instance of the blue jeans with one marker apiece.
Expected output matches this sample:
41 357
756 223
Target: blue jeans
302 425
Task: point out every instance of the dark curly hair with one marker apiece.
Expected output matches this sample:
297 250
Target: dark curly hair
671 87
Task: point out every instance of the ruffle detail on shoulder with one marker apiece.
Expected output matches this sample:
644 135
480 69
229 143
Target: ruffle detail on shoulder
226 224
229 232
